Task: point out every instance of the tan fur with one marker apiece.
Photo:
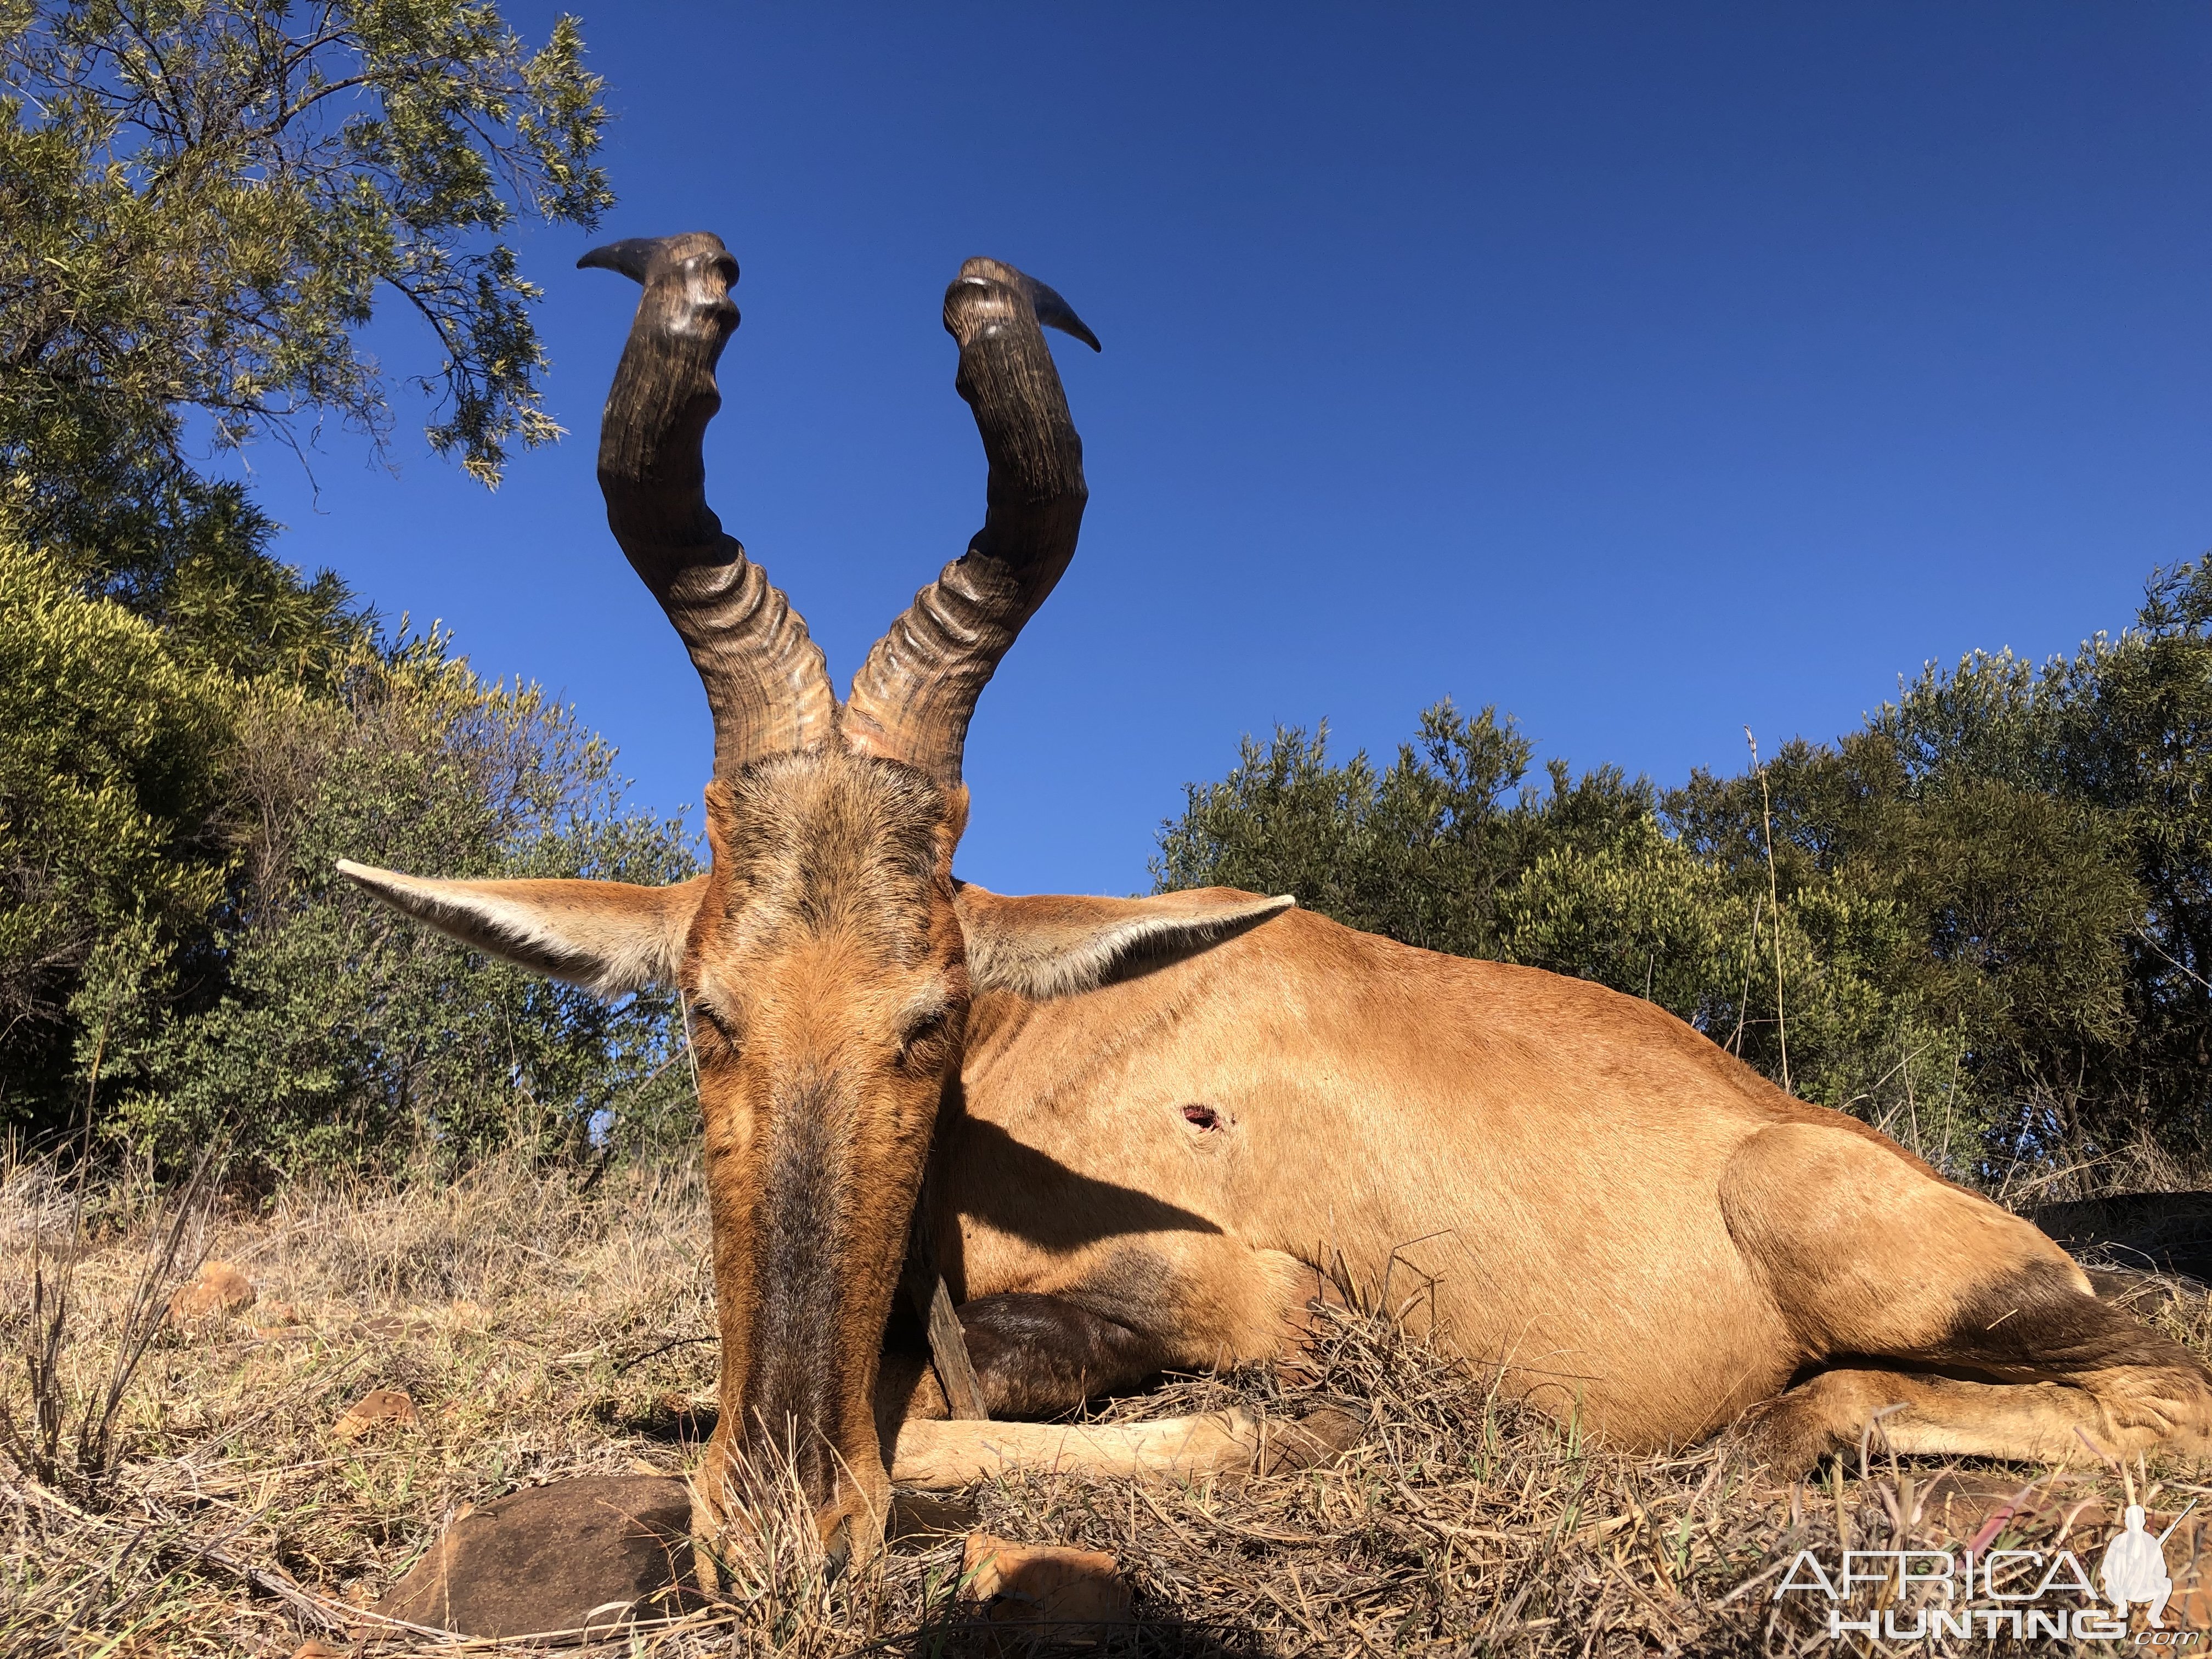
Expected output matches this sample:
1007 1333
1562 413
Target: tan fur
1576 1185
1569 1183
1054 946
824 967
824 977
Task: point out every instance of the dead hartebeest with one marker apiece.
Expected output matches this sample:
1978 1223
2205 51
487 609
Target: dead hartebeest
1146 1121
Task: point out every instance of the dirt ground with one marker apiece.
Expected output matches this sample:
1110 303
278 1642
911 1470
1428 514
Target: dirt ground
544 1325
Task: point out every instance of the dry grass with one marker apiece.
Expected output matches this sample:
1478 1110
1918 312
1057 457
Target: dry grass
546 1332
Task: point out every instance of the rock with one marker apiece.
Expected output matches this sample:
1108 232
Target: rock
591 1553
1043 1583
219 1288
315 1648
374 1410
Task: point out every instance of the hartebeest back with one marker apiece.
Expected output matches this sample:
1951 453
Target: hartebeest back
1152 1118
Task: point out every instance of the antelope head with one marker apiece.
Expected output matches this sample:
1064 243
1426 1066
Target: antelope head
828 959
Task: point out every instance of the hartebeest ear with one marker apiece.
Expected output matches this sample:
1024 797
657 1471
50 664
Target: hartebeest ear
1052 946
609 936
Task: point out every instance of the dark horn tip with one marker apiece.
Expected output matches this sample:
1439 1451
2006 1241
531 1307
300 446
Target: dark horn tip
632 257
1045 303
1074 325
636 257
1056 312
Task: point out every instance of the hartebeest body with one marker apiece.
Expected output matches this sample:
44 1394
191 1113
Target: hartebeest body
1150 1121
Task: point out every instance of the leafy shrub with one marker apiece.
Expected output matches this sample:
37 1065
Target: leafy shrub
178 947
345 1034
108 807
200 209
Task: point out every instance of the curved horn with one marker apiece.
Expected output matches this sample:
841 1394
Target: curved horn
766 681
913 697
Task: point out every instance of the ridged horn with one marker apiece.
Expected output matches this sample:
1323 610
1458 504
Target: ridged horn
766 682
914 695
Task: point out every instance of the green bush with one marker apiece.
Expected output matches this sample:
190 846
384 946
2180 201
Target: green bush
200 209
109 810
178 949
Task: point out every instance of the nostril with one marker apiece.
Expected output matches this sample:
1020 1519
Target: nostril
1201 1117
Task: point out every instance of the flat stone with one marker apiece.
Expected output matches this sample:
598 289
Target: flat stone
1043 1583
378 1408
589 1555
218 1288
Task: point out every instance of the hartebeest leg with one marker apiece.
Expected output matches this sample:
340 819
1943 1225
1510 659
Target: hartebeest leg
1999 1347
1237 1442
1012 1339
1945 1416
1037 1355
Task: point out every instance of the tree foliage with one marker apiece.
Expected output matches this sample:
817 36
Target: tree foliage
176 948
341 1032
108 803
1995 899
201 204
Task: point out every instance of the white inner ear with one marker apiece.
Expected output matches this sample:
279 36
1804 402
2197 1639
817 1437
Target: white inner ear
609 949
613 962
1063 960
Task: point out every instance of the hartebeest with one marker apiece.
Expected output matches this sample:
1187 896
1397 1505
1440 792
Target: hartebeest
1152 1118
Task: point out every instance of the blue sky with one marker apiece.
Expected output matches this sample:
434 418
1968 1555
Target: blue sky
1647 370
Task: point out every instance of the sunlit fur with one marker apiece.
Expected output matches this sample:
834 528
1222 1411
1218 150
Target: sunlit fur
824 966
828 993
610 937
1643 1233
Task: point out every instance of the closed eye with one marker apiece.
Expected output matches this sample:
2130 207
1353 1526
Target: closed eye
921 1036
715 1021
